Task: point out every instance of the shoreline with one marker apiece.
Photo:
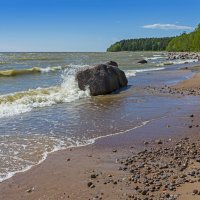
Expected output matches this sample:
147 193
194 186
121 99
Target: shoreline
89 142
21 186
100 157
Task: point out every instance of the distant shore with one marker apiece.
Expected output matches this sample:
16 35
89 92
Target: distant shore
121 167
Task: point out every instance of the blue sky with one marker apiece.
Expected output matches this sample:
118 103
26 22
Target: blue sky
90 25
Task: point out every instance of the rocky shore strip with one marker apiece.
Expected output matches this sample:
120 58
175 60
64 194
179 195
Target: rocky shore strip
183 55
166 90
156 173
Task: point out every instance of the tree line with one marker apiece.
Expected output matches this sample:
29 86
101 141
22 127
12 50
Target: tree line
142 44
185 42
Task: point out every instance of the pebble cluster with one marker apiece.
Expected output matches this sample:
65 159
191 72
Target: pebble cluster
156 172
173 91
183 55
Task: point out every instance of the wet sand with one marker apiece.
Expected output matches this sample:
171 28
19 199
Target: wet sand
122 166
193 83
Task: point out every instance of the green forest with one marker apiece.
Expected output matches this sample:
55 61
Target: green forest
184 42
143 44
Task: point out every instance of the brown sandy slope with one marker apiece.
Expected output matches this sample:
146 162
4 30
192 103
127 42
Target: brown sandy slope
192 83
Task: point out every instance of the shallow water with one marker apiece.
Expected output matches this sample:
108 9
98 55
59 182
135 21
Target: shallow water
43 112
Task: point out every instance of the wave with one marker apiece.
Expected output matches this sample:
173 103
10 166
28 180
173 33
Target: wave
177 62
155 57
59 144
21 102
133 72
15 72
25 101
3 62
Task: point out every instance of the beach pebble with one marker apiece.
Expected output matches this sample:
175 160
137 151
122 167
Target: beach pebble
195 191
93 175
158 141
198 159
89 184
30 190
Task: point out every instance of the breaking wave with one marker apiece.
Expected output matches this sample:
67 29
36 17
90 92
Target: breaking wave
25 101
177 62
133 72
16 72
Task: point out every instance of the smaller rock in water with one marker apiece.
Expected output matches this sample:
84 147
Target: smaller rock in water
142 61
113 63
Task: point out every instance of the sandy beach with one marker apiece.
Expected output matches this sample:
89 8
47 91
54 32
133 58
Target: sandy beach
99 100
162 162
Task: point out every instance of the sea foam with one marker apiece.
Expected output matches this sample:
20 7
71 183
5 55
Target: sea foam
34 70
130 73
21 102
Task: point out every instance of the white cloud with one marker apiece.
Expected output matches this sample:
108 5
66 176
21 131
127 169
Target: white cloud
167 27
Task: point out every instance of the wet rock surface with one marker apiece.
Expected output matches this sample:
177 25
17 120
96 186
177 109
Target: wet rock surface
101 79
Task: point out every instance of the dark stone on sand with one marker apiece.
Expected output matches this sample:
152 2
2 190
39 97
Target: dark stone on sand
142 61
89 184
101 79
30 190
115 182
195 191
158 141
93 176
198 159
92 186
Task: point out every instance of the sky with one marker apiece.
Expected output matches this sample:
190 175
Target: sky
90 25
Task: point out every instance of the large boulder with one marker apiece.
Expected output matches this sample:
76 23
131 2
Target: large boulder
101 79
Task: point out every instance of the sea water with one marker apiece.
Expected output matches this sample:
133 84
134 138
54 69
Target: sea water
43 110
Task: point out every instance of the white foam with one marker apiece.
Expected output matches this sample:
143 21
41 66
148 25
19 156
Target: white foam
178 62
60 146
156 57
91 141
133 72
26 101
8 175
51 69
